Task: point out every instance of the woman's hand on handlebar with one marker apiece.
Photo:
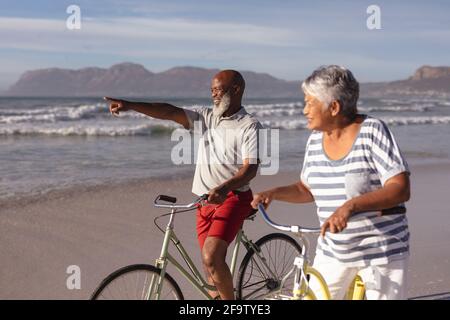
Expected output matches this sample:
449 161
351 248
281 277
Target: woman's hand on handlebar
264 197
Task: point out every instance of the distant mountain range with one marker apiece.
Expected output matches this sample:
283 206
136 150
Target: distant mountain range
134 80
426 81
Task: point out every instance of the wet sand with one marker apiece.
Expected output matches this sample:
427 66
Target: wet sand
101 229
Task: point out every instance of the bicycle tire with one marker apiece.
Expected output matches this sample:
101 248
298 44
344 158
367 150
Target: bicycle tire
149 270
248 264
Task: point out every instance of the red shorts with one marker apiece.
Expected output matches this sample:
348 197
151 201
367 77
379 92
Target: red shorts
224 220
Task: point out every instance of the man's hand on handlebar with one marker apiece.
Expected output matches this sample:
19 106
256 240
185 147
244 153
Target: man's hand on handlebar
217 195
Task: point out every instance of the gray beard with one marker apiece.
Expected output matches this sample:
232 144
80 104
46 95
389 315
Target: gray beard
223 106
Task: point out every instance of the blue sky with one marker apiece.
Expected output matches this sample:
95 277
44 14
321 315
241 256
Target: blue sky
287 39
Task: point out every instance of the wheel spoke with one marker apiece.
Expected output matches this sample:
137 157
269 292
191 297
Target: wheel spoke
256 279
254 284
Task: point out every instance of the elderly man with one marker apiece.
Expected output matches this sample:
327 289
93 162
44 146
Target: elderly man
353 169
227 161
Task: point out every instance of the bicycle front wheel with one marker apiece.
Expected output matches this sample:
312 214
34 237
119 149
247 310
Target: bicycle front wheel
134 283
261 273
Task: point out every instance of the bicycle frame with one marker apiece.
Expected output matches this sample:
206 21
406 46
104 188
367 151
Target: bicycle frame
304 271
193 275
303 274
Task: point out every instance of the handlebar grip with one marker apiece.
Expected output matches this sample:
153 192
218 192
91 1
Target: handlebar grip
166 198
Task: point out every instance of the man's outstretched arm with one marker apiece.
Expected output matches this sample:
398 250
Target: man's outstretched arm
158 110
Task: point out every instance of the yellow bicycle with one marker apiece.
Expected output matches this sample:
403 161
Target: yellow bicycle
303 270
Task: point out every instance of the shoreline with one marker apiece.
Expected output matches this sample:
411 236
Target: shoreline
64 192
56 192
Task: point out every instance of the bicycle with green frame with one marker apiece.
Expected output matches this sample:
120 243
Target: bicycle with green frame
263 269
304 272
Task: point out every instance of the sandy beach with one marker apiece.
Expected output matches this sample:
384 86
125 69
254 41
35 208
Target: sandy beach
101 229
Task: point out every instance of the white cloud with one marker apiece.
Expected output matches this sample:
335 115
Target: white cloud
124 34
296 42
206 43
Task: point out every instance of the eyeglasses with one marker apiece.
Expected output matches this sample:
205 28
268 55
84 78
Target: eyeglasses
221 90
218 90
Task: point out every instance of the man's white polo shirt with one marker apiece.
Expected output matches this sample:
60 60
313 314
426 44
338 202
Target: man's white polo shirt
224 142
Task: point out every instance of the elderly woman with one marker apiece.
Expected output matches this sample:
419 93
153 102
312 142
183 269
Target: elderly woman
355 173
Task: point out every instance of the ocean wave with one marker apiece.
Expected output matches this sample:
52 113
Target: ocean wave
278 113
39 114
408 101
300 124
56 114
399 121
297 104
132 130
149 129
53 114
395 101
296 108
417 108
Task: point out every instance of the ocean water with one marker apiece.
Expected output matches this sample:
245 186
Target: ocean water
54 143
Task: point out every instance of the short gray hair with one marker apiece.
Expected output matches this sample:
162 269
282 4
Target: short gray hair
330 83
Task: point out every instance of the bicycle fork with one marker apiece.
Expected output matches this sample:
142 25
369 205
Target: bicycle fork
301 282
303 274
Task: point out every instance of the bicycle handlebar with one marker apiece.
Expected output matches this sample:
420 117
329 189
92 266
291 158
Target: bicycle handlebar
293 229
173 200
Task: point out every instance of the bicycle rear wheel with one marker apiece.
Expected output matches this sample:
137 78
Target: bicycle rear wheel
133 283
261 273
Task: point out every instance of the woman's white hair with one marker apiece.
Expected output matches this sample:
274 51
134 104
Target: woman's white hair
331 83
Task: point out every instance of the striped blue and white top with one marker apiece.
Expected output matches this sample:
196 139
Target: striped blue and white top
369 239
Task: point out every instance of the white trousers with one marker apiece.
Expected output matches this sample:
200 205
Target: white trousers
383 282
